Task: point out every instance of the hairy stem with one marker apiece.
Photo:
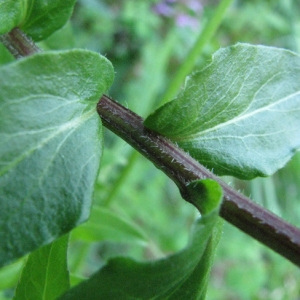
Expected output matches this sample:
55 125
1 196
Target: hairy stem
182 169
18 43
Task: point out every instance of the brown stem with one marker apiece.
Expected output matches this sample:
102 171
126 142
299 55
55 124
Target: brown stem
18 43
182 169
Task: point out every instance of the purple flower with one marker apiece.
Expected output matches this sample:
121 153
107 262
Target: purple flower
184 12
195 6
187 21
164 9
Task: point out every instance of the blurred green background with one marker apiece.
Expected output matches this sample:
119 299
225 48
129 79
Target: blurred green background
138 211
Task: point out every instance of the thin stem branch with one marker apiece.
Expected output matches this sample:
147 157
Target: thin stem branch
117 184
203 38
237 209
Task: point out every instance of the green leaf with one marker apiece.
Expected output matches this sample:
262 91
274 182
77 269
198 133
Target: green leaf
11 14
9 275
50 146
240 115
203 194
43 17
106 225
45 274
38 18
184 273
195 286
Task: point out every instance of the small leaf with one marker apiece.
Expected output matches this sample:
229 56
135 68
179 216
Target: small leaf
105 225
239 116
50 146
43 17
38 18
45 274
184 273
204 194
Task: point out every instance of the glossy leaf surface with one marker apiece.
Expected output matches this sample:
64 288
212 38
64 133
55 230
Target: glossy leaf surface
50 146
45 274
240 115
179 276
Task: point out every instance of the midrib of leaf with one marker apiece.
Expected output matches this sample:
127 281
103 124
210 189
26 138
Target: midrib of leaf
237 119
74 124
229 103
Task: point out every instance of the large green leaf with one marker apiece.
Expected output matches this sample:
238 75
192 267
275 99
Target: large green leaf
38 18
179 276
240 115
45 274
50 146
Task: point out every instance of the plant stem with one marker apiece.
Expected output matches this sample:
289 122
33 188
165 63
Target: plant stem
167 47
18 43
182 169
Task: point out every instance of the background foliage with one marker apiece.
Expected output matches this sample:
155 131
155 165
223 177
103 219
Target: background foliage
143 214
